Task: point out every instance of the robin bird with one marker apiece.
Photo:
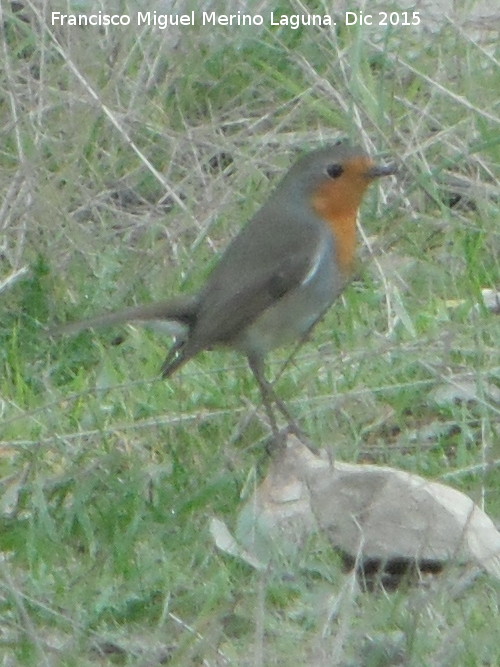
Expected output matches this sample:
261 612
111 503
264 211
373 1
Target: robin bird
278 276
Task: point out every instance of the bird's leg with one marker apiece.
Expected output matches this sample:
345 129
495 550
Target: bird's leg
269 397
257 367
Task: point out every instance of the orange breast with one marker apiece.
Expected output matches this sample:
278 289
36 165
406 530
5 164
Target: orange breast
337 202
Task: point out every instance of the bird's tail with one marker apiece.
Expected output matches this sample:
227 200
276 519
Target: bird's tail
180 311
176 358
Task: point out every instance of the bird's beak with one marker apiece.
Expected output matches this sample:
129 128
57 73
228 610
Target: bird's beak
378 170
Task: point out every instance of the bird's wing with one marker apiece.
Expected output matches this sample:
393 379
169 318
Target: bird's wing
225 312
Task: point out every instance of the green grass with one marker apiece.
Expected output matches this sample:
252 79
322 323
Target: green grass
108 475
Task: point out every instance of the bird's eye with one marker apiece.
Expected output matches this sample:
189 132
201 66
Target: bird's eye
335 170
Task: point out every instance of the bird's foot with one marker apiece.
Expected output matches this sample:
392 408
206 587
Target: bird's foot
278 439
